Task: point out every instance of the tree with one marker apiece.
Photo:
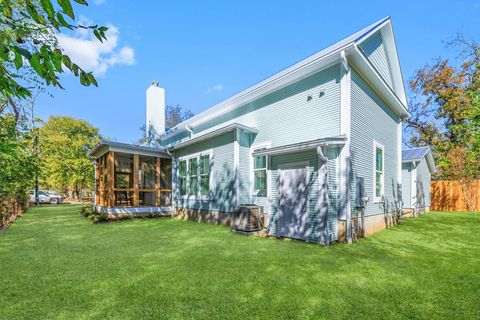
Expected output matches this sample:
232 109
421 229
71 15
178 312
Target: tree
17 162
444 110
28 34
173 116
30 61
64 161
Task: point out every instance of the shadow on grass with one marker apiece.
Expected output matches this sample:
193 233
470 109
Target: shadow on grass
63 266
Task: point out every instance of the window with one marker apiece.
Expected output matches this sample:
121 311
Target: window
192 174
204 175
379 172
183 177
260 175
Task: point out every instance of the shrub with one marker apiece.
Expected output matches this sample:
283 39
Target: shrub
87 211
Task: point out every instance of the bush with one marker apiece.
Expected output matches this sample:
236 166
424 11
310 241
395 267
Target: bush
87 211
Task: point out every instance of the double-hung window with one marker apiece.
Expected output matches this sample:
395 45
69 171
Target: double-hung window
204 174
182 173
192 176
379 172
260 175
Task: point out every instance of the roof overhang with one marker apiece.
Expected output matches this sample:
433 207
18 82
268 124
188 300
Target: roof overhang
105 146
302 146
215 133
429 158
361 63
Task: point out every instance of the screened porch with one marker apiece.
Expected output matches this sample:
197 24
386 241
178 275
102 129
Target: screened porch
132 178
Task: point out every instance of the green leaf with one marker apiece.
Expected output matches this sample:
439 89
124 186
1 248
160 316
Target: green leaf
48 7
67 62
67 8
4 54
82 2
83 78
63 22
7 11
18 60
92 79
56 57
24 52
103 29
35 63
75 69
42 20
98 35
32 11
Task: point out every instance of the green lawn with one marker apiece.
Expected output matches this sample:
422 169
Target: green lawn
57 265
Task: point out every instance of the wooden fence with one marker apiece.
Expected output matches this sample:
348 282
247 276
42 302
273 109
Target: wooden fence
446 195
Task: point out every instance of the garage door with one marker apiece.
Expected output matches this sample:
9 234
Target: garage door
292 206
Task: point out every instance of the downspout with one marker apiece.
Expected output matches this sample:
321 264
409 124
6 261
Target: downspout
95 185
322 196
189 129
174 208
414 188
345 100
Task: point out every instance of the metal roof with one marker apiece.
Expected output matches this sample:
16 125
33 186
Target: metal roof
417 154
414 154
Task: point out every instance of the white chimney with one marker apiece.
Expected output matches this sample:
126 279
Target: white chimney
155 108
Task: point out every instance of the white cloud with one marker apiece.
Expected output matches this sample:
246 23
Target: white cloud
215 88
92 55
99 2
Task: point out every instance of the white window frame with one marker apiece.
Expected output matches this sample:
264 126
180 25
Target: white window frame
198 195
179 178
200 175
377 145
253 192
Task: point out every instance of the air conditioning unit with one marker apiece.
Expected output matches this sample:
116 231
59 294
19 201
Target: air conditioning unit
247 218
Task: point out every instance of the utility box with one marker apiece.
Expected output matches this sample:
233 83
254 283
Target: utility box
247 218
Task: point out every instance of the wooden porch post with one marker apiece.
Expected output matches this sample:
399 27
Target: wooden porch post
97 181
157 182
135 180
110 179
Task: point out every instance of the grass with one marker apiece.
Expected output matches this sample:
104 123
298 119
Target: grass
57 265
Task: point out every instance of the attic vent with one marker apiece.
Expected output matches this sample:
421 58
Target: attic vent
321 94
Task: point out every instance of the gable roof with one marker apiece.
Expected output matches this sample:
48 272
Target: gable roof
346 48
417 154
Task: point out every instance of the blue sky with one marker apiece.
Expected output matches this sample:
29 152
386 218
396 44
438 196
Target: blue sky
203 52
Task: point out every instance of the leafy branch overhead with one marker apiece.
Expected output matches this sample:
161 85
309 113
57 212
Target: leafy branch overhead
28 41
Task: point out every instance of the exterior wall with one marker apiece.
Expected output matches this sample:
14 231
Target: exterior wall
374 49
285 116
407 185
423 184
311 158
222 182
372 121
282 117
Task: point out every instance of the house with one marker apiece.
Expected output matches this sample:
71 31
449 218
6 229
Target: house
313 146
417 169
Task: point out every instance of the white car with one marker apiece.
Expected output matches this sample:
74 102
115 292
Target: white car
45 196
